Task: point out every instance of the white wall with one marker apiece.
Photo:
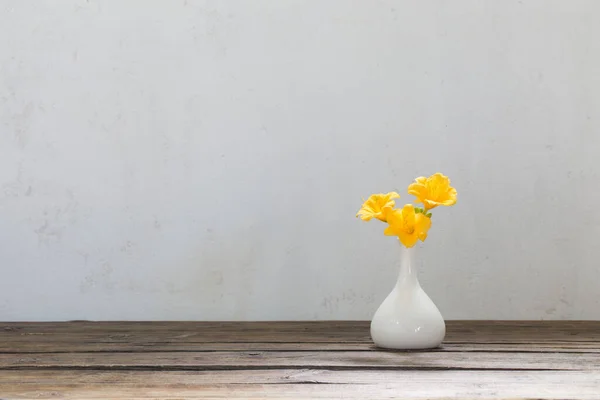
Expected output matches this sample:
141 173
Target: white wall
205 159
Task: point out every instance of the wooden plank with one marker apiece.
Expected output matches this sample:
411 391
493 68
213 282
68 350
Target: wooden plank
334 336
499 332
33 347
45 378
299 359
277 327
299 384
149 360
184 333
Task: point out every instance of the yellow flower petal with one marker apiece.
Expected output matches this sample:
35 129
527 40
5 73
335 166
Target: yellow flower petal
422 225
407 225
408 240
408 215
377 206
394 220
433 191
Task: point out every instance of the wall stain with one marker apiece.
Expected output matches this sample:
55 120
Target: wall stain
99 278
15 188
47 233
128 247
54 223
21 122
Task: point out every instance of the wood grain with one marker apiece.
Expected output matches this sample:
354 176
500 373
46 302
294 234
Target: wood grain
298 384
93 347
332 359
305 359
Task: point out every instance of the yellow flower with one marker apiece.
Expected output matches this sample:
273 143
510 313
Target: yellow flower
433 191
377 206
408 225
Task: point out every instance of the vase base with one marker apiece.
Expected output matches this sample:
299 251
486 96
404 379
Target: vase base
408 349
420 332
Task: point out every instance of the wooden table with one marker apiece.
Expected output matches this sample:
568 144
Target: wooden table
190 360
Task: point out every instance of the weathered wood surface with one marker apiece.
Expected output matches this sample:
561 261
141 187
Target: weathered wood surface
180 360
299 384
200 361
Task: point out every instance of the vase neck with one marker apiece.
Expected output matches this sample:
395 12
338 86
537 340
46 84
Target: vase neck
408 268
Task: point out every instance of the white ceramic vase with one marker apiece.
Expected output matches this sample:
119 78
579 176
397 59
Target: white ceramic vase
408 319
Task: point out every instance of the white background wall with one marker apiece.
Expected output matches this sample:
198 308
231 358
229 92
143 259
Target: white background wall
205 159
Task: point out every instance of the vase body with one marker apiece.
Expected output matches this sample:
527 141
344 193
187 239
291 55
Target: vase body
408 319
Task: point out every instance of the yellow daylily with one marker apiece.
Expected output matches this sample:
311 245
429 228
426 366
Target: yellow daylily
377 206
433 191
408 225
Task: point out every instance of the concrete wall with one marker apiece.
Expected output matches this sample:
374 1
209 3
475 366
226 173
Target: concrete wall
205 159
